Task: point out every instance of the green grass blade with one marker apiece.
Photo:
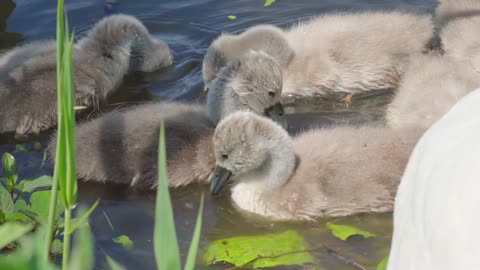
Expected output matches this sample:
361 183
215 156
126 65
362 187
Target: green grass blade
83 250
60 151
69 120
192 251
166 249
113 264
84 217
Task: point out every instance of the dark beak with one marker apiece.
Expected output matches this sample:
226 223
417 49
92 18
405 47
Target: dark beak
219 179
277 114
206 87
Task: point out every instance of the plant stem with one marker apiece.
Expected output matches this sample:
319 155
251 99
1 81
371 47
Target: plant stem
66 239
51 218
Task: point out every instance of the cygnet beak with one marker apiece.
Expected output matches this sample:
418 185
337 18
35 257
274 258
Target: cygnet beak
219 179
277 114
206 87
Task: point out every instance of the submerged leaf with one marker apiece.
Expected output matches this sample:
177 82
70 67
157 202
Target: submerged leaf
256 251
343 232
37 146
232 17
269 3
124 240
20 148
11 231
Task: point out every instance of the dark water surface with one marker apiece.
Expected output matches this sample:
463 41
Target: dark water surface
189 27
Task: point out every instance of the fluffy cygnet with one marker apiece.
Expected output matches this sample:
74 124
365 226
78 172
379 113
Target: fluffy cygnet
347 53
437 207
431 86
122 146
459 29
329 172
115 45
236 87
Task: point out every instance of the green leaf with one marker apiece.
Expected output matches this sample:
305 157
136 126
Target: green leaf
382 265
232 17
17 217
10 172
20 204
40 201
6 202
269 3
165 242
113 264
82 254
258 251
192 251
124 241
11 231
27 254
343 232
27 186
57 247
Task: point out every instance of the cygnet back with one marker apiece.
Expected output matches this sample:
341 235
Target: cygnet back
122 146
114 46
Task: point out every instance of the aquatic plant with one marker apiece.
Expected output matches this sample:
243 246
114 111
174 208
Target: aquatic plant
64 171
166 249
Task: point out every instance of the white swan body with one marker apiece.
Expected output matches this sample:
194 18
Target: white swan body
437 208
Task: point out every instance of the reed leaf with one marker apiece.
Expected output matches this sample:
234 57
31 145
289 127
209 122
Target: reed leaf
192 251
166 249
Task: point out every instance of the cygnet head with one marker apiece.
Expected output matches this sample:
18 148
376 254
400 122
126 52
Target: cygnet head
251 148
266 38
240 85
159 56
126 35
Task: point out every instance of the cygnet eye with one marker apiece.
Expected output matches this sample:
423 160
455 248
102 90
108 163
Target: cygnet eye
224 156
271 93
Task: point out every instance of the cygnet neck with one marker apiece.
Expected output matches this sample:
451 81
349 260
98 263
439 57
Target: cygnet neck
276 170
222 99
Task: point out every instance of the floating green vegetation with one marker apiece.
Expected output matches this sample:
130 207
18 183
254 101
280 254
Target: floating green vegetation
269 3
232 17
343 232
257 251
124 241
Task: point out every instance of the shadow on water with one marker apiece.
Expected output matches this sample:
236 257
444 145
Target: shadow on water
188 27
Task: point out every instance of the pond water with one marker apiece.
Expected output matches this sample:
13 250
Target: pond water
189 27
